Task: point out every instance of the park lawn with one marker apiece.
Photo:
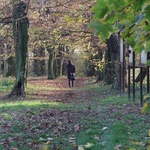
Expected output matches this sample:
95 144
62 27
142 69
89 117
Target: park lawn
87 117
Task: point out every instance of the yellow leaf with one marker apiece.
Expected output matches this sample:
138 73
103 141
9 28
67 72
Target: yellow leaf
144 108
68 18
148 147
136 143
44 147
80 18
148 132
89 45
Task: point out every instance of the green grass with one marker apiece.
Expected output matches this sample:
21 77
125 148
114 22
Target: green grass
116 134
6 84
34 105
112 121
32 88
5 116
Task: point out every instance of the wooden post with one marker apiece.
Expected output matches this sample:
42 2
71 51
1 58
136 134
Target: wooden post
129 82
147 79
141 87
133 69
120 79
123 72
148 74
121 68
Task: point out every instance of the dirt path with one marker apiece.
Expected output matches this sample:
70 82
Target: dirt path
60 91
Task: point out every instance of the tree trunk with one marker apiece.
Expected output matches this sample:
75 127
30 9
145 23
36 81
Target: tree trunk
3 67
60 59
56 69
100 66
51 64
39 65
111 59
11 66
20 33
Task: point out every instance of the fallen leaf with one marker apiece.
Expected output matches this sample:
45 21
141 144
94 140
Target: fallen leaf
117 147
96 137
104 128
88 145
42 139
14 148
144 108
76 128
50 139
72 140
80 148
44 147
136 143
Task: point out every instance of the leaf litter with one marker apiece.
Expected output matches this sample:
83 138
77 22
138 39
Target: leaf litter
37 130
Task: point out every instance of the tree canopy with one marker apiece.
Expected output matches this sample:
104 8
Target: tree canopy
53 22
129 18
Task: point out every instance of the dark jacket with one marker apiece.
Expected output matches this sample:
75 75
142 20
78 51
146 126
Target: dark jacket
70 69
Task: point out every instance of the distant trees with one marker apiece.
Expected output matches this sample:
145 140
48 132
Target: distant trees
6 40
57 29
57 25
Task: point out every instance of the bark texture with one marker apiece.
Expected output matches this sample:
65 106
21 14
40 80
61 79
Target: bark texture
20 33
112 58
51 63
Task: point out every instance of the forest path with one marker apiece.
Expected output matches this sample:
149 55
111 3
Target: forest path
58 90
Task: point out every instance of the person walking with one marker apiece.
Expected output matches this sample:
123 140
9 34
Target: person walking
71 73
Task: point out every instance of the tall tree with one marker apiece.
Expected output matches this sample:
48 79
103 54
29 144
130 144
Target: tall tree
20 33
112 59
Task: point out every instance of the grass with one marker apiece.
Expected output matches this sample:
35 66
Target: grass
32 88
105 121
6 84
